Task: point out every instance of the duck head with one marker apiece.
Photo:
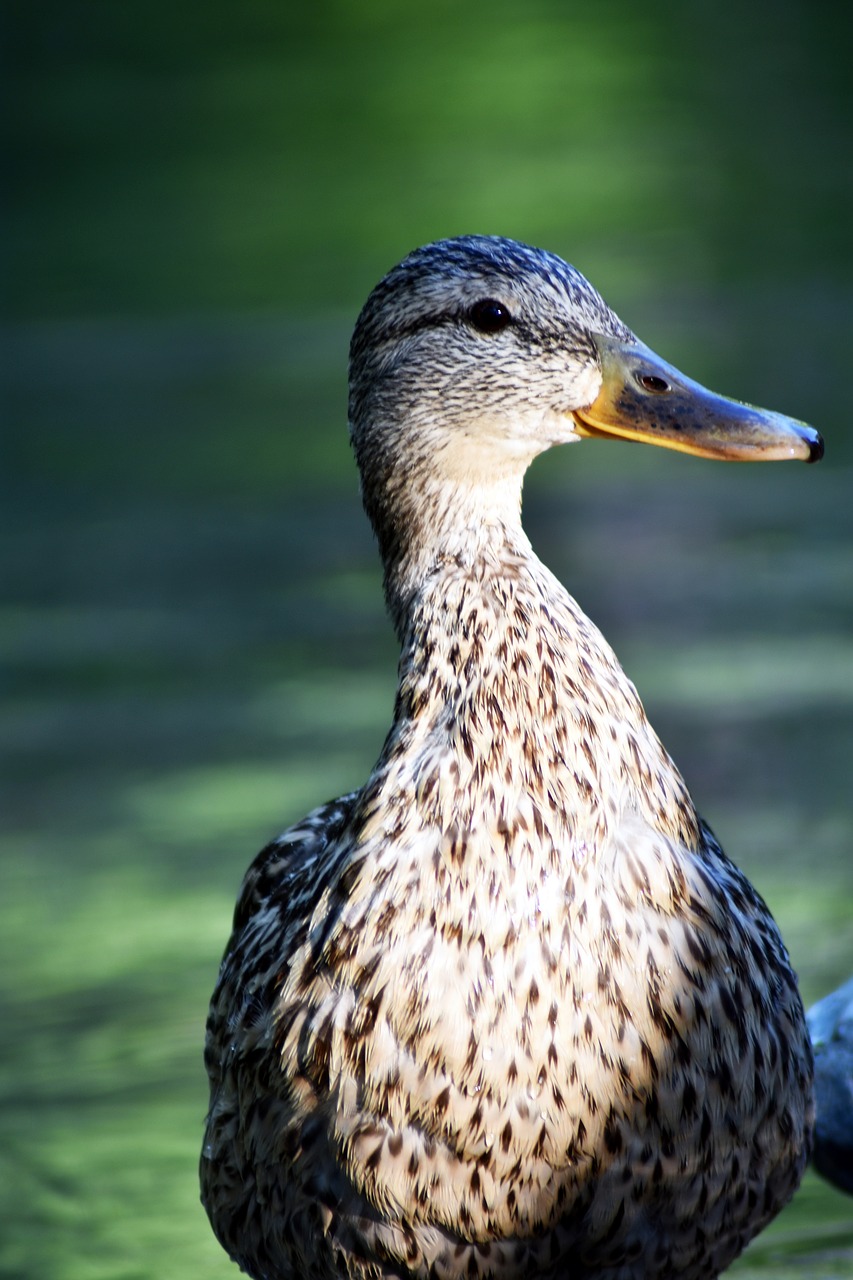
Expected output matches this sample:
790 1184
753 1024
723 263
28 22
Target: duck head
475 354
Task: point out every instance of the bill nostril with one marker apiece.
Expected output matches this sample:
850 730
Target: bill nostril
653 382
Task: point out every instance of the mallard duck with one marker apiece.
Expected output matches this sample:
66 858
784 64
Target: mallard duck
507 1010
830 1024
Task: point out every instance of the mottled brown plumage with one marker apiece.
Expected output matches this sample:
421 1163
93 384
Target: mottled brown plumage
508 1010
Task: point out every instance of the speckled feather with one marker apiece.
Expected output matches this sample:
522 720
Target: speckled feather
508 1010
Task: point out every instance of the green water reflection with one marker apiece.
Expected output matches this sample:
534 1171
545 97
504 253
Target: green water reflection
191 614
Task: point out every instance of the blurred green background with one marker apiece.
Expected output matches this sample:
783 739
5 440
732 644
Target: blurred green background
198 199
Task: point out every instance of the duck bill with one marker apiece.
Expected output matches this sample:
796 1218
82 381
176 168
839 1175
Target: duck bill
644 398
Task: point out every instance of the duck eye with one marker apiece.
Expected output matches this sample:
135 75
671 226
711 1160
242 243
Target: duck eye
489 316
651 382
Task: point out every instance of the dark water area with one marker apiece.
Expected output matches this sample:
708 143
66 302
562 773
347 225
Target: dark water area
194 646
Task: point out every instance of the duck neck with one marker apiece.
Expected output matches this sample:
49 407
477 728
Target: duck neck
503 673
439 526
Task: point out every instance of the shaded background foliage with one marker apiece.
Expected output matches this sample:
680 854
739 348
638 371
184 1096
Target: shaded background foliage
195 650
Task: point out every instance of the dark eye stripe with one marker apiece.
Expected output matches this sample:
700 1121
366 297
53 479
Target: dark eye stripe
433 320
